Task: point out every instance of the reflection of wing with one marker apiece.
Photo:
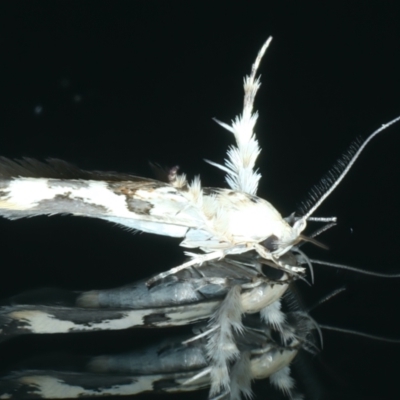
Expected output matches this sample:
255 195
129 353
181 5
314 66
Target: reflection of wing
170 366
50 384
181 299
221 293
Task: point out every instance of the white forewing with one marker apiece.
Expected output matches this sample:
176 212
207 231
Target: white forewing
209 219
148 206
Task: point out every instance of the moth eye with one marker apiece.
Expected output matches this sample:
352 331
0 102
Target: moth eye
272 273
271 243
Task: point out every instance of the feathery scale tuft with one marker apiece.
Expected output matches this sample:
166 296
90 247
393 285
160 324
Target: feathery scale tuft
241 378
283 381
273 315
221 346
241 160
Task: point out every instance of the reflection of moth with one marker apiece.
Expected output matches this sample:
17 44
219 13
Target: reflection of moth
258 349
219 223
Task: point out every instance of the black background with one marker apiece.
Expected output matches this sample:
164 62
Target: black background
110 85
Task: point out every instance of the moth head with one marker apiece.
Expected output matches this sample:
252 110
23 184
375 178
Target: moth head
278 245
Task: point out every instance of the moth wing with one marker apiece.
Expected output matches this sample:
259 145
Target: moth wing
30 188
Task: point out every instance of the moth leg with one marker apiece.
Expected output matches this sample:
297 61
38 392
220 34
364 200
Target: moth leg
197 259
279 264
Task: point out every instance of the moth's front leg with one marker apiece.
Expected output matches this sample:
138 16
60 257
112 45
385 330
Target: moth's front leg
197 259
278 262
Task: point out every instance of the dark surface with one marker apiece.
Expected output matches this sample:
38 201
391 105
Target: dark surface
113 85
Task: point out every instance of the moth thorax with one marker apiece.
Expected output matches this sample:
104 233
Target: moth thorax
252 219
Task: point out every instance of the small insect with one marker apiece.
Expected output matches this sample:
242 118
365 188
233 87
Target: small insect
256 348
183 298
222 292
265 349
175 365
232 231
217 221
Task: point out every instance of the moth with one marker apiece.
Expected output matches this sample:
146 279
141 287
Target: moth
186 297
265 347
170 366
236 302
221 292
216 223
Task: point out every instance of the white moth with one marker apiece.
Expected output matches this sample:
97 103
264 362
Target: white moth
216 222
181 299
177 364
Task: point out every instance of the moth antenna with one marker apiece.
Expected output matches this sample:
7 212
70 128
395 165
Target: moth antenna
323 219
310 347
315 324
241 159
326 298
357 333
343 167
322 230
353 269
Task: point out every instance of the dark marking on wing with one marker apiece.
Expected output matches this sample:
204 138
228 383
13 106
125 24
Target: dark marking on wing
97 383
4 183
60 204
19 387
18 390
129 188
73 184
13 324
22 385
211 191
152 319
57 169
164 384
139 206
11 327
4 193
63 203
